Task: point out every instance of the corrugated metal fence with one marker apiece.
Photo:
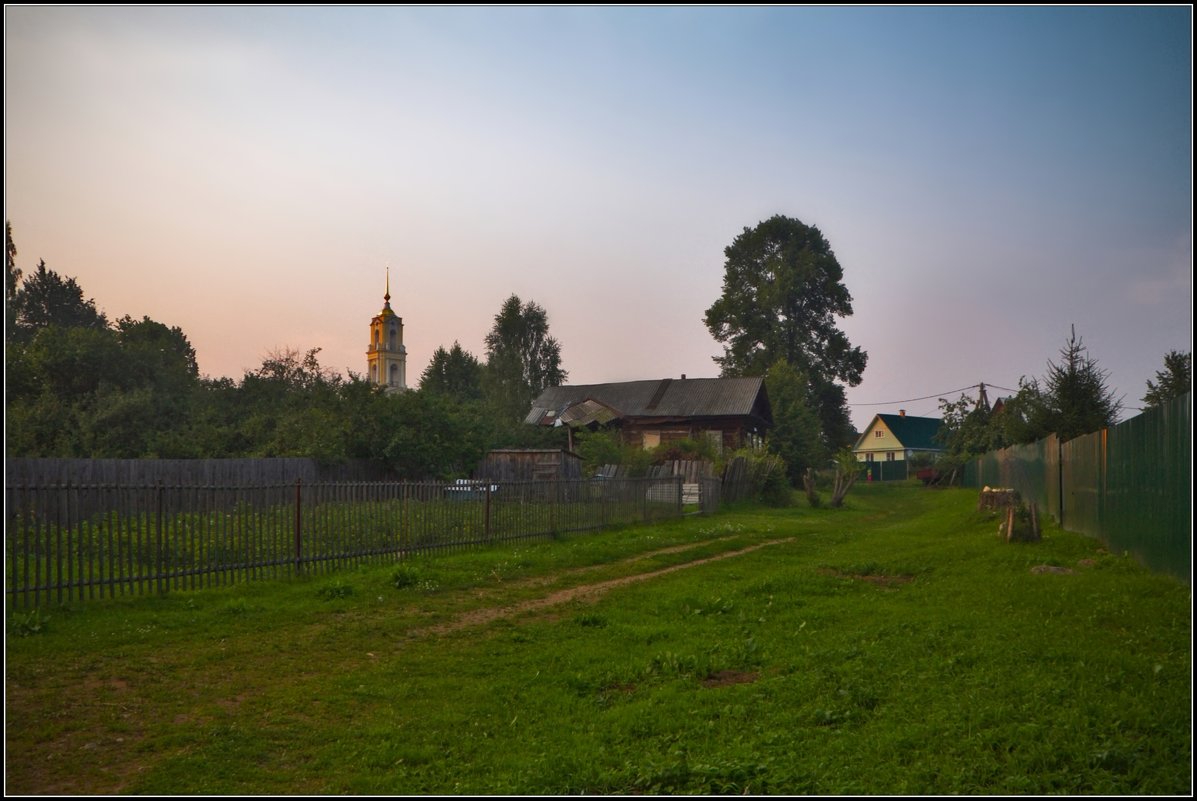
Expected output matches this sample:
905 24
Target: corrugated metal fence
70 543
897 470
1129 486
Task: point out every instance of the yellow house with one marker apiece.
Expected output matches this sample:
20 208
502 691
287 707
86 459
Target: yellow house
897 437
386 357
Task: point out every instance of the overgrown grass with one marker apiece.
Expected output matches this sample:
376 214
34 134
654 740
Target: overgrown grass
893 646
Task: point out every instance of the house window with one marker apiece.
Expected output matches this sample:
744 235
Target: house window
878 434
889 456
870 457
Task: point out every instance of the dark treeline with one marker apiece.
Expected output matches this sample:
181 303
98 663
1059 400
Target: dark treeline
78 385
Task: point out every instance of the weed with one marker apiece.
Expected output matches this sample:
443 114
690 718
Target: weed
405 576
26 624
337 588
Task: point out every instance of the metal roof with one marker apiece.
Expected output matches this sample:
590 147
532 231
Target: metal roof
911 432
668 397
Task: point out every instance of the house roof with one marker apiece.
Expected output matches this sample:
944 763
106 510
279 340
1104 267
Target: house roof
911 432
686 397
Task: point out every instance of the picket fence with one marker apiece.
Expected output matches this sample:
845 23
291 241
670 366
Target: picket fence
67 543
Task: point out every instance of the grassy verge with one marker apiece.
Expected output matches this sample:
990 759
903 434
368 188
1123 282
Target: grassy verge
894 646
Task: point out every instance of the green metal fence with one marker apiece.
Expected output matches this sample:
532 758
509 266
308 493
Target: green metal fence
1129 486
1147 498
897 470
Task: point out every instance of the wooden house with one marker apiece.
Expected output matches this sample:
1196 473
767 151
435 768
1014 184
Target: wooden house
729 412
897 437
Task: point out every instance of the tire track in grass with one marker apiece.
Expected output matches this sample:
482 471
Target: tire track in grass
588 593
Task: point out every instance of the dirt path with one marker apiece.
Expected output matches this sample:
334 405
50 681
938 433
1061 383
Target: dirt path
588 593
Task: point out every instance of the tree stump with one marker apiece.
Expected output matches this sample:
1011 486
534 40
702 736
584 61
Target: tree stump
1021 524
808 482
997 498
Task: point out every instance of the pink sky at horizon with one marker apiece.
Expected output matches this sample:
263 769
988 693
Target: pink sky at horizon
986 177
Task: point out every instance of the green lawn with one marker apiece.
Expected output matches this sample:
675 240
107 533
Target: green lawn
893 646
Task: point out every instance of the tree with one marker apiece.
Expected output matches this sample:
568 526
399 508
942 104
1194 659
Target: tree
521 358
1074 398
454 374
782 292
1173 381
429 437
797 435
47 299
291 406
847 470
967 429
12 280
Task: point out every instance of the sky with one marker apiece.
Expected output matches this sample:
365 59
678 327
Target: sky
988 178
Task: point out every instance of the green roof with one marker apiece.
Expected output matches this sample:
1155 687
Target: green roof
911 432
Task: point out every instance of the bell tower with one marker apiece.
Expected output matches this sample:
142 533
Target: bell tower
386 358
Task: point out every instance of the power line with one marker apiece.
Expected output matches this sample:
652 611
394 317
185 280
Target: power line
936 395
912 400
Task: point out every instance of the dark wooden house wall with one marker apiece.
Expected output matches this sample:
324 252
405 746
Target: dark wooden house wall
732 431
530 465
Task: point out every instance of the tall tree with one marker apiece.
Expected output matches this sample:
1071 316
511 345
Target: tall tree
1074 398
1173 381
782 293
454 374
521 358
11 281
45 298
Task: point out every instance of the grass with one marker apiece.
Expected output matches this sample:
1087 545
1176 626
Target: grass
893 646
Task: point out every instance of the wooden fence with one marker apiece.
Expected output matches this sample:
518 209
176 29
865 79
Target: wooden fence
69 543
224 472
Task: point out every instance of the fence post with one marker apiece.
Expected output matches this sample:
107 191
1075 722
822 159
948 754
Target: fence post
298 525
486 524
161 548
553 510
680 487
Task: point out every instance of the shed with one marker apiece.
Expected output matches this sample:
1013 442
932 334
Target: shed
529 464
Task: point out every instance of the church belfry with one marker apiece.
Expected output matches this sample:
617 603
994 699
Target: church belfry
386 358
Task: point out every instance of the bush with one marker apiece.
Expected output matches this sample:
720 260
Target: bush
686 450
776 490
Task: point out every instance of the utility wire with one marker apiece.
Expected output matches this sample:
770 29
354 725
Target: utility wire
936 395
